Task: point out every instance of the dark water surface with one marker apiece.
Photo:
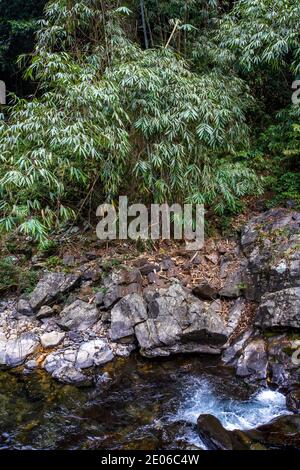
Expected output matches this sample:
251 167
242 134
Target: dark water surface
143 404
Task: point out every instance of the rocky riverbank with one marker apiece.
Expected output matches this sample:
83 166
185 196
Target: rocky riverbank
238 300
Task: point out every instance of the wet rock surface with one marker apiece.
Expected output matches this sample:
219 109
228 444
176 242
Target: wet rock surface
281 433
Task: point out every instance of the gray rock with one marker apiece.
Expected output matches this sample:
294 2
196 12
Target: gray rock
231 352
99 298
253 361
235 315
59 359
17 350
3 342
44 312
293 400
283 370
117 292
70 375
119 284
271 243
125 315
52 339
127 277
93 353
66 365
69 260
149 268
24 308
91 273
280 309
167 264
124 350
32 364
91 255
78 316
50 287
178 322
233 285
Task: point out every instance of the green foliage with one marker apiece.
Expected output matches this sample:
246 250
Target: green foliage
111 113
283 143
263 32
176 119
13 276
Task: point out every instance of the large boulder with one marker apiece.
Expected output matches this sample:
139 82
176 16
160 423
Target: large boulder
51 287
178 322
78 316
281 433
125 315
280 309
119 284
259 358
271 243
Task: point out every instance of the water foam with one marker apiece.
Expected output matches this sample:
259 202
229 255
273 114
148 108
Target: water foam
200 397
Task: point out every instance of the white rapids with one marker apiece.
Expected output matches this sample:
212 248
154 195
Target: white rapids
201 398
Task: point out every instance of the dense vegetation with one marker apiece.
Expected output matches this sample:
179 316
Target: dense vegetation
161 100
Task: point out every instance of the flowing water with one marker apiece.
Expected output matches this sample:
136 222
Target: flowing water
141 405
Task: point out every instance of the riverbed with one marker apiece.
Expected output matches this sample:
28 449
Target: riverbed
136 404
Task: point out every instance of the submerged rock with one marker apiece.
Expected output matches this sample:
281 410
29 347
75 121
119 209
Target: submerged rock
213 434
280 433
